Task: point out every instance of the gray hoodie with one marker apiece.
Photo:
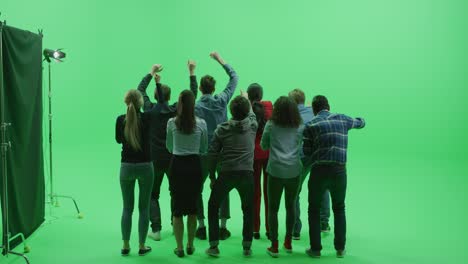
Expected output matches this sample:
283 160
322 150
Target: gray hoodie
234 142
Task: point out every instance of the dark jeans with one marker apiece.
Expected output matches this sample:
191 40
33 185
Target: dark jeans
224 210
275 191
243 182
324 207
332 177
129 174
161 167
259 167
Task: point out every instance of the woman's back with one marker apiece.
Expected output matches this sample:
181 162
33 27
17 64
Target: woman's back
179 143
129 154
284 144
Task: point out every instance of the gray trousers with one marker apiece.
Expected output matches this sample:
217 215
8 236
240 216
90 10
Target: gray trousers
130 173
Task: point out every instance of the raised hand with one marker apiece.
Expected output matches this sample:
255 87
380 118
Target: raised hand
191 64
156 68
215 56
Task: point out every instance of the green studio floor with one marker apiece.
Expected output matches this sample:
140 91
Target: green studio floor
389 221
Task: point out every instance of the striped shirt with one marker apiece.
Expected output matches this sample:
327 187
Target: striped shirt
326 137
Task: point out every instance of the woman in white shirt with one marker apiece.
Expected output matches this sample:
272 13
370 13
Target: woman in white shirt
187 138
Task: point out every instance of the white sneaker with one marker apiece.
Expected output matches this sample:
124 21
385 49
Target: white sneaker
155 235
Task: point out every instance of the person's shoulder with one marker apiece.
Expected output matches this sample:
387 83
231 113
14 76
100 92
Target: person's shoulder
223 128
267 104
120 118
200 121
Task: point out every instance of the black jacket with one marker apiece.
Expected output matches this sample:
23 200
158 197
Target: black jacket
159 113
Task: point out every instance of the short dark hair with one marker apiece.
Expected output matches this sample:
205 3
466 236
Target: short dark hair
255 92
207 84
297 95
239 107
166 92
320 103
286 113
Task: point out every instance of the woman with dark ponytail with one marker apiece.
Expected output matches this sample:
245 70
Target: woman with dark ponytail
132 131
263 111
186 139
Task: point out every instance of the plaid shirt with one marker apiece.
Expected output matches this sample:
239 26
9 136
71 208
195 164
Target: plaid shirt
326 137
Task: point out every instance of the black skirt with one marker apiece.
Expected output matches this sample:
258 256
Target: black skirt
185 184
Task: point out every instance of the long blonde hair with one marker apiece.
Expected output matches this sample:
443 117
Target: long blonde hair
134 101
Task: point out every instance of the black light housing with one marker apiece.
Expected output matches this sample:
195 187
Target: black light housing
57 55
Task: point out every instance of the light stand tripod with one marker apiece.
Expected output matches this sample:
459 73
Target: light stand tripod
5 146
48 54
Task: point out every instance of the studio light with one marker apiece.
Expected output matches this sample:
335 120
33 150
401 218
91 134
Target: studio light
57 55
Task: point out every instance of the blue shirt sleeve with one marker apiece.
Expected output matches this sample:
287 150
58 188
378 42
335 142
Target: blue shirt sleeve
228 92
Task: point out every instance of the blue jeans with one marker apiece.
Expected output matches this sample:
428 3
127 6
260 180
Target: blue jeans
332 177
130 173
324 207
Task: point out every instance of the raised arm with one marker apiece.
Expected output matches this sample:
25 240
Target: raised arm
355 122
193 78
144 85
142 89
228 92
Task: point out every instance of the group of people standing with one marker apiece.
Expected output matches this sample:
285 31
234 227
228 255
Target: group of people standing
191 141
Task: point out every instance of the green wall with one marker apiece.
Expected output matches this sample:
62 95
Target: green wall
402 65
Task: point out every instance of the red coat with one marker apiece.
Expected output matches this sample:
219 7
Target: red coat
259 152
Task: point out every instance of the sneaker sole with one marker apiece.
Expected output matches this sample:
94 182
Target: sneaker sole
312 256
274 255
288 250
212 254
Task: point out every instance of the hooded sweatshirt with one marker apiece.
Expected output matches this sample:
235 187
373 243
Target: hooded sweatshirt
234 143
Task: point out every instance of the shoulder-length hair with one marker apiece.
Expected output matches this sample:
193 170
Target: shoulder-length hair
285 113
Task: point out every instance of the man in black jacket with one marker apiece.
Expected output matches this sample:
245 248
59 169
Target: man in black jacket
160 112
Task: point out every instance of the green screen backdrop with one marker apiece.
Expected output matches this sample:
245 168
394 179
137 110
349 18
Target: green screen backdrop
401 65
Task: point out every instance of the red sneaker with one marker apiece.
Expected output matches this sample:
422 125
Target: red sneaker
288 245
273 250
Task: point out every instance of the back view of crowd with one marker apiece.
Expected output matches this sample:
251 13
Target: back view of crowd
191 141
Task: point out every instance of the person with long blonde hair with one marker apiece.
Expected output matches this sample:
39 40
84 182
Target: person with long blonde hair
132 131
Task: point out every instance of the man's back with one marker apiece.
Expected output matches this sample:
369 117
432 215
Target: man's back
326 137
235 142
212 108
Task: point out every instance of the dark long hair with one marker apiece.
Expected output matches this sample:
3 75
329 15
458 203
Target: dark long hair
259 111
185 119
285 113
